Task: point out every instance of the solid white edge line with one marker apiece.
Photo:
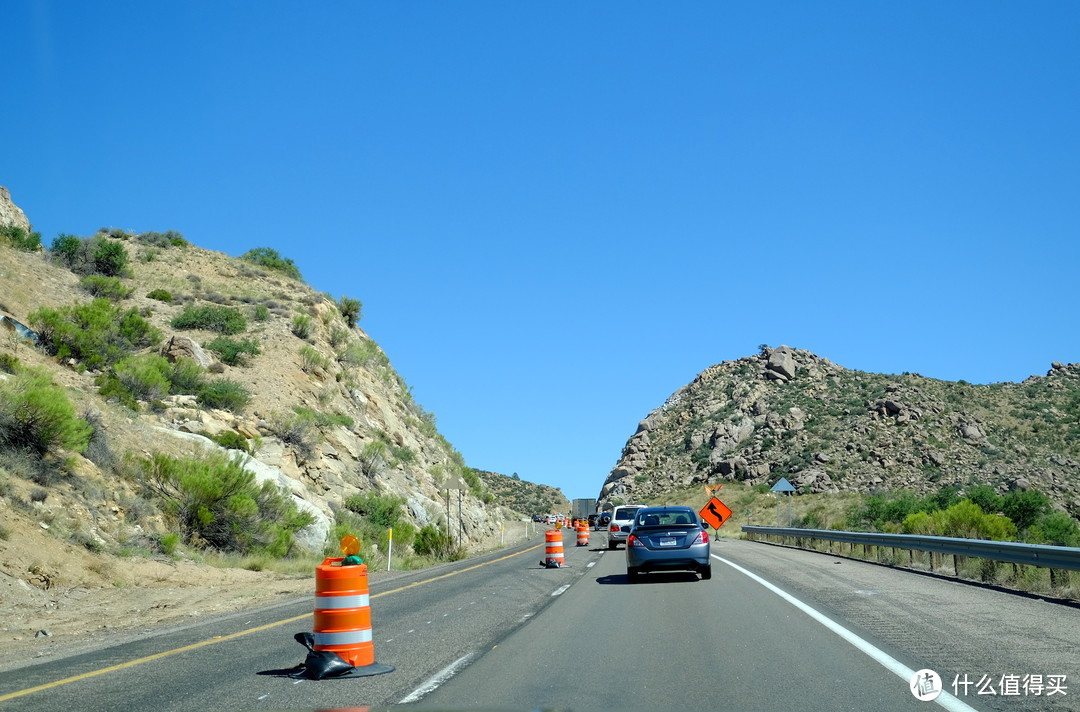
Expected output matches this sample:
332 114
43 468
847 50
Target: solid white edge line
884 659
438 678
561 590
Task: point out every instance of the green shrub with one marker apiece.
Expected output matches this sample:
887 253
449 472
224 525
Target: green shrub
269 258
231 440
233 352
9 363
218 504
163 240
94 255
211 317
145 376
110 288
37 417
169 543
437 542
20 238
96 334
261 312
185 376
65 248
984 496
382 510
1056 529
310 359
302 326
160 294
322 420
965 520
350 309
224 394
1024 507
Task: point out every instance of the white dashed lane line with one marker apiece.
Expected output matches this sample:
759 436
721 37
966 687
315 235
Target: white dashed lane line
560 590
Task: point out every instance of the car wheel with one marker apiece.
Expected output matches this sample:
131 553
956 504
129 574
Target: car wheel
706 572
611 545
631 574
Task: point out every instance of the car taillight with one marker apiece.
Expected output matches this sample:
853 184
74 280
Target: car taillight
702 537
634 541
614 528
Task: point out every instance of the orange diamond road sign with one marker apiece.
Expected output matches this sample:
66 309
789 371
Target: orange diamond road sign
715 513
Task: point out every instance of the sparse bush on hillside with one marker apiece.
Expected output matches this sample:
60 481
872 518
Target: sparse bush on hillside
372 458
160 295
9 363
218 504
302 326
436 542
163 240
96 334
311 359
20 238
233 352
211 317
224 394
260 312
297 432
350 309
382 510
110 288
114 232
94 255
37 417
322 420
269 258
230 440
144 376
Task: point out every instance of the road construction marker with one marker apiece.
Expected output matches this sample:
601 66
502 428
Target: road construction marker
231 636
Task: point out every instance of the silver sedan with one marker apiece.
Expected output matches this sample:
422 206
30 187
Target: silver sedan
667 539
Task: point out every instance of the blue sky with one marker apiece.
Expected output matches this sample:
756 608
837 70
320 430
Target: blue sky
556 214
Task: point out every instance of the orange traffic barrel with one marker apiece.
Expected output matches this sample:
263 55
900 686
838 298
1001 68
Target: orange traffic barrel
553 553
582 534
343 615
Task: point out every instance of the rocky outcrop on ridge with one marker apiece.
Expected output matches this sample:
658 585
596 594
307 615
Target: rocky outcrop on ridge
789 413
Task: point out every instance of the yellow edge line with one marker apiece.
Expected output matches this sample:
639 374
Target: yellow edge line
223 638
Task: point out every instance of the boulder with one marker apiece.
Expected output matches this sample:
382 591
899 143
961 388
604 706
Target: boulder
782 362
179 347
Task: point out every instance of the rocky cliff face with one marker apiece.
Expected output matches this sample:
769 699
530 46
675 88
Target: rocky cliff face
10 213
361 430
787 412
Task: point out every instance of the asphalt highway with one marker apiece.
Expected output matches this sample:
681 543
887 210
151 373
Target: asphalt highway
774 628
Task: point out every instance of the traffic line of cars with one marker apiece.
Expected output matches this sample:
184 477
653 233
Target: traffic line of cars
670 538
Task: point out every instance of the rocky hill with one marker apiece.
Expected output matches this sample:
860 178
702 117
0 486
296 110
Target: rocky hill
325 414
787 412
523 496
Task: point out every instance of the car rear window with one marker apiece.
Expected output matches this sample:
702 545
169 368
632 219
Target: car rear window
677 518
623 515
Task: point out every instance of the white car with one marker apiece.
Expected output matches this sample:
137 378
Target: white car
622 517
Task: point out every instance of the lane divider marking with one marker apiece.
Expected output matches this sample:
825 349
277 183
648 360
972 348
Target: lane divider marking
231 636
438 678
560 590
884 659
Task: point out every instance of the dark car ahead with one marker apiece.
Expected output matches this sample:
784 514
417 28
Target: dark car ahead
667 539
603 519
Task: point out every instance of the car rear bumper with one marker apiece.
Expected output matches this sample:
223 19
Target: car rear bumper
693 559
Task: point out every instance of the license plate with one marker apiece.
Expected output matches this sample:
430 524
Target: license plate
667 541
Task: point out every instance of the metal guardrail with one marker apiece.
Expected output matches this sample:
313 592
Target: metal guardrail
1054 557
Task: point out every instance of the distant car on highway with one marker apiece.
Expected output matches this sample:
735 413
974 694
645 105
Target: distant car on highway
668 539
619 526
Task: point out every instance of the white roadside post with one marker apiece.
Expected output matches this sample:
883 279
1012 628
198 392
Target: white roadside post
389 546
